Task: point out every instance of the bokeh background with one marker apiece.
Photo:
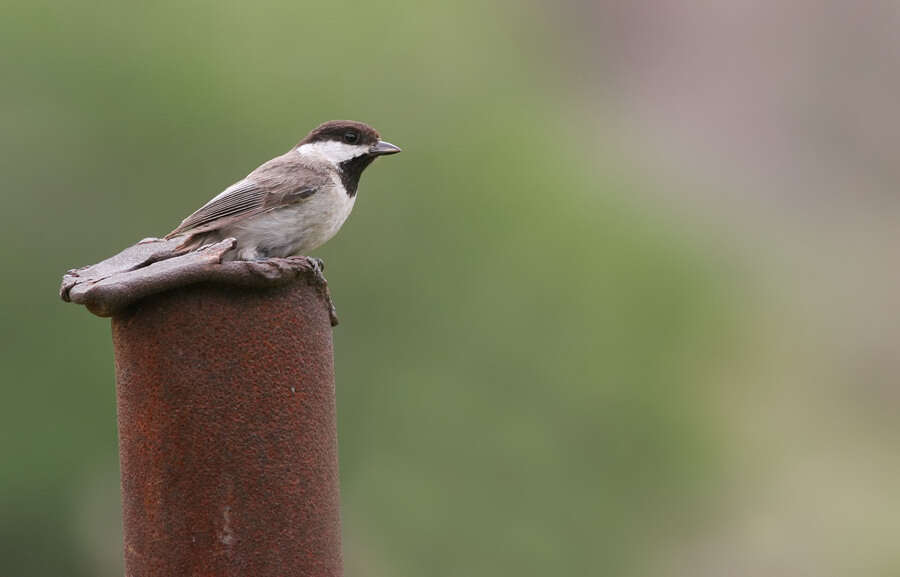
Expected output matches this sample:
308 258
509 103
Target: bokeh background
627 304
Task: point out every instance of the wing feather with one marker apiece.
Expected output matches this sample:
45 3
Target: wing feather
241 199
282 181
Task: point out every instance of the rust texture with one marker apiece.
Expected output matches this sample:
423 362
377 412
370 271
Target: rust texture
227 430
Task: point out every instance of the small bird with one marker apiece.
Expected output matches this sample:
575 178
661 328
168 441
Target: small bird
293 203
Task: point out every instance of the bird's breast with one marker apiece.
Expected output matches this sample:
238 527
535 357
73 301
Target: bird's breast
300 227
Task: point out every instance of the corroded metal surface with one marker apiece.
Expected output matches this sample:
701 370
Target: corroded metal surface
154 265
227 431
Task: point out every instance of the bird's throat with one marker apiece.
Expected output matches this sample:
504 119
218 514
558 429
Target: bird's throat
351 170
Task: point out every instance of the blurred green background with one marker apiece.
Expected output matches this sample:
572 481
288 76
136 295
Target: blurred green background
625 305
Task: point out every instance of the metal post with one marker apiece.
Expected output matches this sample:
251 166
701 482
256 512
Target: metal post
227 430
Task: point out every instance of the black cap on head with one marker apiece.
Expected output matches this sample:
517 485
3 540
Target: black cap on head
347 131
354 134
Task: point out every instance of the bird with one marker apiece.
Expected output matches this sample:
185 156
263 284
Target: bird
293 203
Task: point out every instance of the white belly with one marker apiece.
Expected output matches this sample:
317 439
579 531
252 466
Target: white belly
296 229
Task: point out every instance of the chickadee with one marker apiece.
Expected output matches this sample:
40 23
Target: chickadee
293 203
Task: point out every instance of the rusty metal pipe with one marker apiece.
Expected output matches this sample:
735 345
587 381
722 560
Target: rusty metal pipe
227 429
227 432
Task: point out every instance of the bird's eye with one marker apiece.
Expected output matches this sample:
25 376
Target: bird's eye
350 137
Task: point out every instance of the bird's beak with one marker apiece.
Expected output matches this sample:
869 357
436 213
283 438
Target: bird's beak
383 148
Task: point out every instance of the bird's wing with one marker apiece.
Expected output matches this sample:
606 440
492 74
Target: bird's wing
247 198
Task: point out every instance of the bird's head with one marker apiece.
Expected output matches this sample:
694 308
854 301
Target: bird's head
345 141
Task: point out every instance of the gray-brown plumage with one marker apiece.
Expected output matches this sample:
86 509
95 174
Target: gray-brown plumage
294 202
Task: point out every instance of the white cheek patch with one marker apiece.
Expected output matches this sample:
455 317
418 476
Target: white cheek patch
334 151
